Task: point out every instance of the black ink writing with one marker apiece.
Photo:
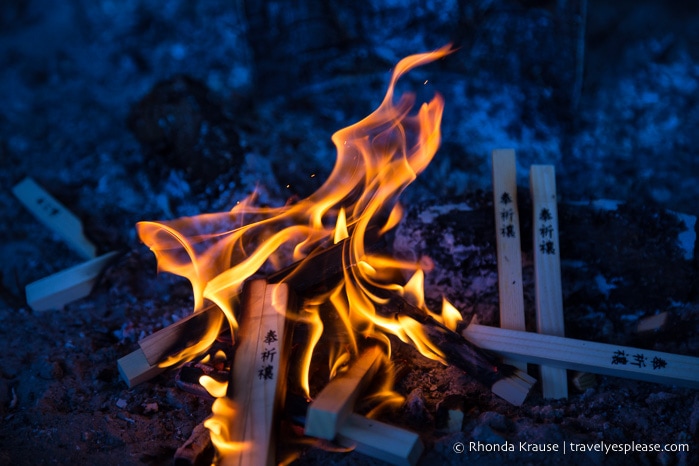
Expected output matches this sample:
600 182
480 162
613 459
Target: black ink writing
619 357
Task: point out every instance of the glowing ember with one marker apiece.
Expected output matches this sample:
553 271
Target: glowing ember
377 158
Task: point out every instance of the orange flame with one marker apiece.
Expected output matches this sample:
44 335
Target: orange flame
377 158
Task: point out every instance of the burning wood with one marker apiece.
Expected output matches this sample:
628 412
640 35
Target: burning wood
598 358
506 381
165 344
220 253
242 426
204 325
331 407
510 288
59 289
547 270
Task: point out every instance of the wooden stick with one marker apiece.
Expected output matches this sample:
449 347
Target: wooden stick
61 288
180 335
258 374
331 407
54 215
508 243
599 358
379 440
134 368
547 271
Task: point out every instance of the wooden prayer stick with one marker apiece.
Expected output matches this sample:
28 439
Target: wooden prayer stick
61 288
379 440
258 375
54 215
547 271
599 358
508 243
328 412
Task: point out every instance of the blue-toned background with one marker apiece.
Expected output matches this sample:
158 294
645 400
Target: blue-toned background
129 110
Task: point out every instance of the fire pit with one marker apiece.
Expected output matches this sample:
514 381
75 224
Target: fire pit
323 274
219 253
138 111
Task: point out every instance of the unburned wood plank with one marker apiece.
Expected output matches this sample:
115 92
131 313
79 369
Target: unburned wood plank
61 288
581 355
134 368
511 295
54 215
547 271
335 402
379 440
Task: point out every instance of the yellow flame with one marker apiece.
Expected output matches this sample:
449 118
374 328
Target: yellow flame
377 158
341 228
338 364
415 289
311 317
214 387
200 346
450 315
221 424
386 397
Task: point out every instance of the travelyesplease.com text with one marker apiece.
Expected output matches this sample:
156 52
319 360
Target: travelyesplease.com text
571 447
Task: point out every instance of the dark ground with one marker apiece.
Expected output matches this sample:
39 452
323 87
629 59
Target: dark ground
250 98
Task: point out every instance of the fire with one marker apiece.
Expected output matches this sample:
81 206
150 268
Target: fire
377 158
